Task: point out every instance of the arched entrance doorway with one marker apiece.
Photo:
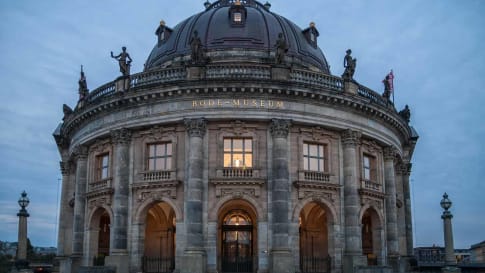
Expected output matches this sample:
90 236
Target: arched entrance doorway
237 238
99 236
371 236
314 243
159 252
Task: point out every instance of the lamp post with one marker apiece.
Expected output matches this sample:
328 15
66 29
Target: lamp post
450 261
21 261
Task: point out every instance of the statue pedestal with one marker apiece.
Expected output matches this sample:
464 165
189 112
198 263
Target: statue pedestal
351 262
119 261
282 261
450 269
122 83
350 87
280 73
195 72
193 261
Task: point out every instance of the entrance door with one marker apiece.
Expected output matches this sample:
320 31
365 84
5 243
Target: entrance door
237 245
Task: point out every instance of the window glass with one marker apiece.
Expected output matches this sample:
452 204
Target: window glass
238 152
159 156
237 17
314 157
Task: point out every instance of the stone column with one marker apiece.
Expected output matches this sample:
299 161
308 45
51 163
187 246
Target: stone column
400 170
121 176
282 260
64 214
353 234
22 235
450 261
407 210
81 153
194 254
391 210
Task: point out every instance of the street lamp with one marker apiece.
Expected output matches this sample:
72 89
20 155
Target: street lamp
23 203
450 261
22 262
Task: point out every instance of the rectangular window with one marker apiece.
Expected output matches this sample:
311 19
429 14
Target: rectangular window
237 17
238 153
102 166
160 156
314 157
369 168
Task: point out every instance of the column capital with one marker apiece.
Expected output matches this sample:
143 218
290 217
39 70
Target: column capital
350 137
80 152
404 168
121 136
196 127
280 127
389 153
65 167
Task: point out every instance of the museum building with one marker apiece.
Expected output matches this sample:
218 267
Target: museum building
235 150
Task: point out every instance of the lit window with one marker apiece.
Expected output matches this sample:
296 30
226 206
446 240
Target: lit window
102 166
369 168
238 152
314 157
160 156
237 17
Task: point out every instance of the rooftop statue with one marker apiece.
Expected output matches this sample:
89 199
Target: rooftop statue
196 54
124 61
349 64
83 86
405 113
387 88
281 49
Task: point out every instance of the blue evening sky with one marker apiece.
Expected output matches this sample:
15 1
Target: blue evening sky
435 47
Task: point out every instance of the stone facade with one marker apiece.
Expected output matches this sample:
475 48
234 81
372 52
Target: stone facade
235 170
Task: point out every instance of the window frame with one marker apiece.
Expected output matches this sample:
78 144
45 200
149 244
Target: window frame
165 157
101 166
372 167
306 156
244 152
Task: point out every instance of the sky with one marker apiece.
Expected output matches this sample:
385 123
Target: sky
435 48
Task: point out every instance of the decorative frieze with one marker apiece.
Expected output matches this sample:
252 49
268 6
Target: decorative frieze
155 190
233 187
100 201
372 202
350 137
280 127
121 136
196 127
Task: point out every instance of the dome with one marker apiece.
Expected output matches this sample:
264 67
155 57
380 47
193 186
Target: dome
238 30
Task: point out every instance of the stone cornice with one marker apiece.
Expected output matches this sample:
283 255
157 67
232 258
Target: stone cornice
280 128
196 127
196 89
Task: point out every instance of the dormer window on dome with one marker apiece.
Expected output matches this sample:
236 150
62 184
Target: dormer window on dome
163 33
237 14
311 34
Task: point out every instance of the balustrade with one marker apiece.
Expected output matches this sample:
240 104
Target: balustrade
372 95
316 176
237 172
100 185
370 185
157 175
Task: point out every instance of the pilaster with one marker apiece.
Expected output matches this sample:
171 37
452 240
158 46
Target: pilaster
194 260
65 214
408 211
353 234
281 259
121 139
391 211
80 153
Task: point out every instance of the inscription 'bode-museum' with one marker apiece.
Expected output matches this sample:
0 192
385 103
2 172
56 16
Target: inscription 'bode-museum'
289 169
253 103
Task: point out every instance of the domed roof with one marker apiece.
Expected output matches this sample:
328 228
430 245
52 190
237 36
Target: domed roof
243 30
